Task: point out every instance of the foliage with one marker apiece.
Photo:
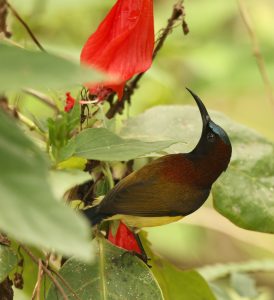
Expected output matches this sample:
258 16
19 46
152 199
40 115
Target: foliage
48 156
176 283
251 171
222 270
27 198
8 261
115 274
101 144
39 70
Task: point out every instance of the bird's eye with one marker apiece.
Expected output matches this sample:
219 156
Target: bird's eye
211 137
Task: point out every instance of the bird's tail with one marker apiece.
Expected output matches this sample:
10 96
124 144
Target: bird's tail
93 215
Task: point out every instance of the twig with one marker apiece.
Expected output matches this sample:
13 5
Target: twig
37 288
3 19
42 97
65 284
177 14
46 266
256 50
45 269
25 25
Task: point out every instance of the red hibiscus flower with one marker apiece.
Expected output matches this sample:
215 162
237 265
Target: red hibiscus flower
70 101
122 45
125 239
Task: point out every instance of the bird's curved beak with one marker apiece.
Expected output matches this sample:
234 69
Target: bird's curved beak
204 114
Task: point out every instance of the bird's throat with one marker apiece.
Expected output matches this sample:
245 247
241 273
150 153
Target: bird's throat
210 166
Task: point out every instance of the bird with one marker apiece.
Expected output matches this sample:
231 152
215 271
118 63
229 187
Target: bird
170 187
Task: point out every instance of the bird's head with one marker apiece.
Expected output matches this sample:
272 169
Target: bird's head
213 136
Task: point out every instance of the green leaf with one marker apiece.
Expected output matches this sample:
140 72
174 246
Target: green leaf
114 275
29 212
176 284
76 163
102 144
8 261
214 272
23 68
179 123
245 192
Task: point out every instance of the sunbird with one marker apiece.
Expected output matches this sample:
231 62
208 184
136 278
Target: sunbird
170 187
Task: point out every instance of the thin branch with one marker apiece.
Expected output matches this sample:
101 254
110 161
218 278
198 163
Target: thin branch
37 288
39 280
42 97
177 14
25 25
256 50
65 284
3 19
49 269
45 269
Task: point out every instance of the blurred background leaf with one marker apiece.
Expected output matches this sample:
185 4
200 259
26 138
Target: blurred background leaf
176 284
244 285
21 68
29 212
215 272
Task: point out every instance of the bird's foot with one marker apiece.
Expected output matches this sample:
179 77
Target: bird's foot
142 256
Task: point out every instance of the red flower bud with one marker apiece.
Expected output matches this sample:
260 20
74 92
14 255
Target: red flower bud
124 238
70 101
123 44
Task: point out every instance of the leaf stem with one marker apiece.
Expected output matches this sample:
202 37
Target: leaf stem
102 269
43 98
19 116
27 122
108 174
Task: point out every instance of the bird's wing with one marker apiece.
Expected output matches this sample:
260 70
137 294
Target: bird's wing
147 193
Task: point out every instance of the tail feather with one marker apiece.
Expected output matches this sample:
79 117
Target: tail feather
93 215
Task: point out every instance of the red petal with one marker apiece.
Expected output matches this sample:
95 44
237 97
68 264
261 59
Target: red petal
123 44
70 101
125 239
